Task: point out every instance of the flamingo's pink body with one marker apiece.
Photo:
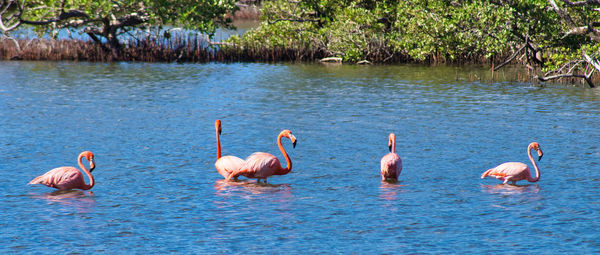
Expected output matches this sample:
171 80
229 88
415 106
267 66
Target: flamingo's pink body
225 164
391 164
66 177
261 165
516 171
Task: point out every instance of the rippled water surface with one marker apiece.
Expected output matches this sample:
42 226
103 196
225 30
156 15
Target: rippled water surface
151 127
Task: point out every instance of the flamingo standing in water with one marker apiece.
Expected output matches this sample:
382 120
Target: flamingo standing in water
391 164
516 171
261 165
67 177
226 164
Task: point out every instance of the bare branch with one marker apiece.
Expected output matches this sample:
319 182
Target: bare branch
573 64
576 63
294 20
589 29
14 18
563 15
14 41
79 22
567 75
61 17
129 20
582 3
593 62
576 31
8 5
510 58
587 76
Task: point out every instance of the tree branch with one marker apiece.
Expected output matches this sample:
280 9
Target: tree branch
61 17
510 58
573 64
582 3
567 75
593 62
130 20
15 42
294 20
5 25
563 15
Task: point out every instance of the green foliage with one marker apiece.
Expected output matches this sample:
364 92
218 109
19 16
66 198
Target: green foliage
205 15
419 29
110 18
352 34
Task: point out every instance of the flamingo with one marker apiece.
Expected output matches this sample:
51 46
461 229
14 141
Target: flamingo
261 165
67 177
391 164
516 171
226 164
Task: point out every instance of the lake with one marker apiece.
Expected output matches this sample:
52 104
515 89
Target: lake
151 128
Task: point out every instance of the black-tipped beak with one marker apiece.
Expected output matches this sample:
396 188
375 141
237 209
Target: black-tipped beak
294 143
390 147
219 131
540 157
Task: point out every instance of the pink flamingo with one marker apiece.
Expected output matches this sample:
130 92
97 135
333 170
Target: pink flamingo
226 164
516 171
261 165
391 164
66 177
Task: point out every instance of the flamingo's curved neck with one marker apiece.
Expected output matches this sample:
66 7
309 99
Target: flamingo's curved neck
86 186
393 145
218 146
285 155
535 166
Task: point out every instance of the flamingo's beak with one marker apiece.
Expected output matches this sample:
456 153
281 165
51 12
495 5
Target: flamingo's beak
390 147
219 131
92 165
540 154
293 138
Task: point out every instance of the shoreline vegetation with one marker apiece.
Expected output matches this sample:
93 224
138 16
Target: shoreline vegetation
551 40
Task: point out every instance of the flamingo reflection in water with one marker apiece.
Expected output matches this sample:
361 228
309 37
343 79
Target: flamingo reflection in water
389 190
510 189
83 201
243 187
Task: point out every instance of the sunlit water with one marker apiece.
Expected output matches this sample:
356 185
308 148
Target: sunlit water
151 127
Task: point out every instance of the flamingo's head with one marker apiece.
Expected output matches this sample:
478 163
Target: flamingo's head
218 126
287 133
90 157
391 139
536 146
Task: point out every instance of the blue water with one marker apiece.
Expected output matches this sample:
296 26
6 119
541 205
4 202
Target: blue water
151 128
